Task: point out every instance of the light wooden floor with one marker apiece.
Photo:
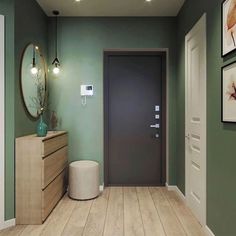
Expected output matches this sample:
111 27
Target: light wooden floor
118 211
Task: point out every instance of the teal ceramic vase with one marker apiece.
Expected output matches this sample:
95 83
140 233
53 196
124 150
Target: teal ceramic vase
42 128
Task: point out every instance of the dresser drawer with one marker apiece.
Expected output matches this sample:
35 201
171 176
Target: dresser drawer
51 145
53 193
53 165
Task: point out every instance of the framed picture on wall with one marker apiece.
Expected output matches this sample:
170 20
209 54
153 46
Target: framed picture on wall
228 93
228 26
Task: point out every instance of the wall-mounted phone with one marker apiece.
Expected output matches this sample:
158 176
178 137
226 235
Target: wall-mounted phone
86 90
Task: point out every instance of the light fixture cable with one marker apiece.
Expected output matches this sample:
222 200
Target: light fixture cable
34 61
56 62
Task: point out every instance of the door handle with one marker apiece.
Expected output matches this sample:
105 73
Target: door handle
156 126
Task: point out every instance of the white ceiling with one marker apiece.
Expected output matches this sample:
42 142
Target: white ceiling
112 7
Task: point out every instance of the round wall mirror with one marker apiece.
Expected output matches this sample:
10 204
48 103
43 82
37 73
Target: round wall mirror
33 80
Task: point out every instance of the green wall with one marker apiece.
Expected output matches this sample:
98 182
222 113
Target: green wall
81 45
25 22
31 26
7 9
221 161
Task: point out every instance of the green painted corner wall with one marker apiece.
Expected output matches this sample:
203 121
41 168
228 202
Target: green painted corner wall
31 26
7 9
25 22
81 44
221 175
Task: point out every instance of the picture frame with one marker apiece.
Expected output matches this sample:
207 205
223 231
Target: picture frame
228 27
228 93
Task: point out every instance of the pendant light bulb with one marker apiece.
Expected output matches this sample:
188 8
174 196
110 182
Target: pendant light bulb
56 66
56 70
34 70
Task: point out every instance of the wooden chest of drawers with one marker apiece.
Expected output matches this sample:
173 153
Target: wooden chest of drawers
41 175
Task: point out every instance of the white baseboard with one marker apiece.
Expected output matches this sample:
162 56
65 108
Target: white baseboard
208 231
7 224
101 188
176 189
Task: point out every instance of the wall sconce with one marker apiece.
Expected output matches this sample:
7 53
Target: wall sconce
56 62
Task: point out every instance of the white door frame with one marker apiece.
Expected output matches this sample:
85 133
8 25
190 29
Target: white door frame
200 25
2 122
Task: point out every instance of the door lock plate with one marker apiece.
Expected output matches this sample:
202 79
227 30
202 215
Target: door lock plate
156 126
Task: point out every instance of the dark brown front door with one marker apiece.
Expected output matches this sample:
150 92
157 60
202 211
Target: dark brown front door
134 100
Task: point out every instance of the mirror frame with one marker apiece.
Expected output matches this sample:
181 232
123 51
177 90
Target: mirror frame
31 116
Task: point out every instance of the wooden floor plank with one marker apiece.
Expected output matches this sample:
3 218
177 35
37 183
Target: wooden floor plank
168 217
58 221
185 216
114 224
33 230
12 231
151 220
127 211
133 225
96 219
76 223
36 230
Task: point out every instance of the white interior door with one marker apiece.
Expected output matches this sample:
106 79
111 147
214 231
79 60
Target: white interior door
195 155
2 133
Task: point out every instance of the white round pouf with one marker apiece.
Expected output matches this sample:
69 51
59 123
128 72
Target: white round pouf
83 180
